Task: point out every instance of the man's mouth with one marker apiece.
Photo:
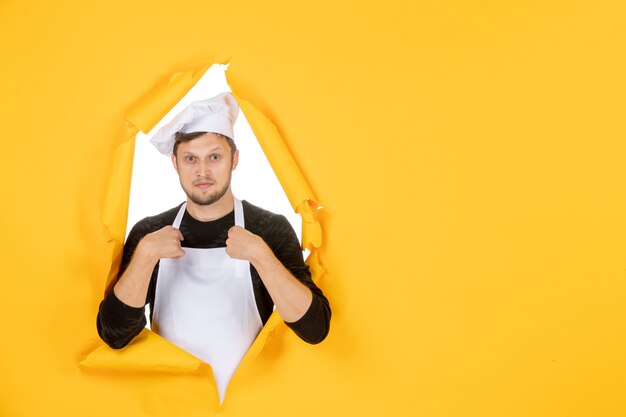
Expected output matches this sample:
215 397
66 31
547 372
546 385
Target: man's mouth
203 185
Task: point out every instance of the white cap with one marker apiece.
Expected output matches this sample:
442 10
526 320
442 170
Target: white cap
216 114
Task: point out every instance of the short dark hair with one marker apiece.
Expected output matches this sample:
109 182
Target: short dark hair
180 137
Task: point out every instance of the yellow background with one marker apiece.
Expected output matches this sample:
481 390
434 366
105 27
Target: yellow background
470 159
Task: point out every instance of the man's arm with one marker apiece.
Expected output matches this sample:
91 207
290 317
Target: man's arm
291 297
132 287
121 315
118 323
278 261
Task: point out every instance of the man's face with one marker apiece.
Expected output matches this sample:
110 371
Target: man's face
204 167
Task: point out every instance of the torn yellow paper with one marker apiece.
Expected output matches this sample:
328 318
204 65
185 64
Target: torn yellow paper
145 353
149 352
469 156
147 112
277 153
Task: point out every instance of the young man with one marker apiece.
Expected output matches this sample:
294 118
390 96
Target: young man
214 267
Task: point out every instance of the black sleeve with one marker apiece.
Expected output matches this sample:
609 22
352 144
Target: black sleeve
314 326
117 322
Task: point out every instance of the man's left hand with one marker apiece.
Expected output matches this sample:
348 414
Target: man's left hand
242 244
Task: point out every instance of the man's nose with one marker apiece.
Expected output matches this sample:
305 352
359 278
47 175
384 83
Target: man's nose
203 168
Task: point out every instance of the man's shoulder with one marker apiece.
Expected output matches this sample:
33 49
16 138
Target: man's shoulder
258 214
158 221
264 222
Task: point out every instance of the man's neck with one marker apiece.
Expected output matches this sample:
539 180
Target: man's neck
216 210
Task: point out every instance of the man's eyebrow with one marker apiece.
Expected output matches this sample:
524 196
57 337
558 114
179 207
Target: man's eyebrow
216 148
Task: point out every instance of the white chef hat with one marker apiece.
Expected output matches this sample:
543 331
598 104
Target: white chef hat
216 114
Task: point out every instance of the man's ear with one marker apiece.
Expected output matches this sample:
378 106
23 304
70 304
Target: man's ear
174 162
235 159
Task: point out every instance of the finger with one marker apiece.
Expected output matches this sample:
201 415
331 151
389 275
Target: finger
176 232
235 229
230 253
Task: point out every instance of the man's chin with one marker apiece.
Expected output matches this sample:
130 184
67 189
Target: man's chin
203 201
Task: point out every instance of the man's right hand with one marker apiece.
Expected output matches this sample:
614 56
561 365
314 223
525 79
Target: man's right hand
164 243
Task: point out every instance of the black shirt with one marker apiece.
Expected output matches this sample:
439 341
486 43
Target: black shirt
119 323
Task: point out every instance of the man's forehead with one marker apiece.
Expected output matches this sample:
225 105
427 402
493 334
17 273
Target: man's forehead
206 142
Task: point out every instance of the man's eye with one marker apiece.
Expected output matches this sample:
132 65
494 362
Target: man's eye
215 157
189 158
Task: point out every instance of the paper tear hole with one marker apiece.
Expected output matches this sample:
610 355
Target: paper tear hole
155 186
